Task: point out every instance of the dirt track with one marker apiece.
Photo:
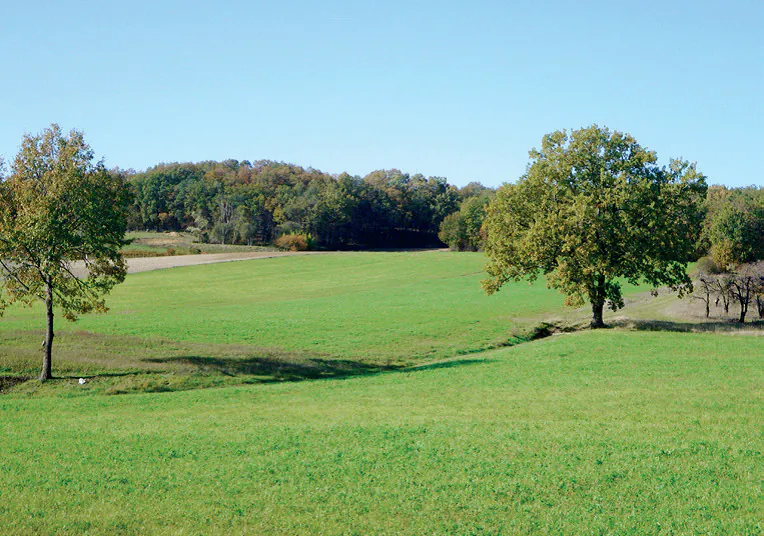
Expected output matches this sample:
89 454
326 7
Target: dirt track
146 264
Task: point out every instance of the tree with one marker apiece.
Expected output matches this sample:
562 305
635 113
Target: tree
746 284
706 283
453 232
461 230
62 224
735 227
591 209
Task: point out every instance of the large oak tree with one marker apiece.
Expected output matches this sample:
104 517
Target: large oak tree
593 208
62 224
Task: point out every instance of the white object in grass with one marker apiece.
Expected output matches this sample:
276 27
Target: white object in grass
82 381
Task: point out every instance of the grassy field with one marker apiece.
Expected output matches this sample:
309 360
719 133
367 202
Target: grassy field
413 426
331 314
609 432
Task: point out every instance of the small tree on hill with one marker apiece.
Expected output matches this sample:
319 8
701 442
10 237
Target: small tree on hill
62 224
706 291
593 208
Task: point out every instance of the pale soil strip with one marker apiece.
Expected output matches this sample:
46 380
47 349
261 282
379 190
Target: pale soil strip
146 264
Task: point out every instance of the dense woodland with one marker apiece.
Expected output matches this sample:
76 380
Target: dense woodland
234 202
256 203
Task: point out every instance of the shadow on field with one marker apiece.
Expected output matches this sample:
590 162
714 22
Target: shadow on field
7 382
690 327
275 369
115 374
447 364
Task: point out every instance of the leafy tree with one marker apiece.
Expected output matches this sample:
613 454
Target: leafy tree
246 229
592 208
453 232
474 189
473 212
62 224
461 231
735 228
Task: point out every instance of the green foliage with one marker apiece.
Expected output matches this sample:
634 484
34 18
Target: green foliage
246 203
592 208
475 189
461 231
62 224
453 233
602 432
734 227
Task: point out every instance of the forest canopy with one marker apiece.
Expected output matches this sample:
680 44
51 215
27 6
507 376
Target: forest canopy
255 203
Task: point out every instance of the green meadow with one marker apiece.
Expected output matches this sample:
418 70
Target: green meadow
284 318
607 432
371 306
430 409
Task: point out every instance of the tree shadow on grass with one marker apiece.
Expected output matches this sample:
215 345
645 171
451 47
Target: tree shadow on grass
7 382
690 327
269 369
105 374
447 364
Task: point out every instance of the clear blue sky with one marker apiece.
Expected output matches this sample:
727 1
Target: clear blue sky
455 89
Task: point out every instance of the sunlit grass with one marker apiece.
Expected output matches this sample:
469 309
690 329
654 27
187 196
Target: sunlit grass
599 432
384 308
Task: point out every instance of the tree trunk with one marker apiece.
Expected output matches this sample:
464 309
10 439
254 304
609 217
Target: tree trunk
744 301
598 303
597 308
46 360
742 293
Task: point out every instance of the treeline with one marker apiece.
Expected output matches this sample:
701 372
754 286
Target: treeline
239 202
234 202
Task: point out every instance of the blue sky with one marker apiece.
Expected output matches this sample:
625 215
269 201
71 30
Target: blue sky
455 89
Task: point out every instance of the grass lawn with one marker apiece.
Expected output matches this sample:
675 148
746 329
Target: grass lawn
608 432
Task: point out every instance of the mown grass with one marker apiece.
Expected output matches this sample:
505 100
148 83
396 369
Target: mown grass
385 309
608 432
282 319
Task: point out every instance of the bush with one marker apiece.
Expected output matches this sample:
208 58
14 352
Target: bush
294 242
706 265
453 232
461 230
